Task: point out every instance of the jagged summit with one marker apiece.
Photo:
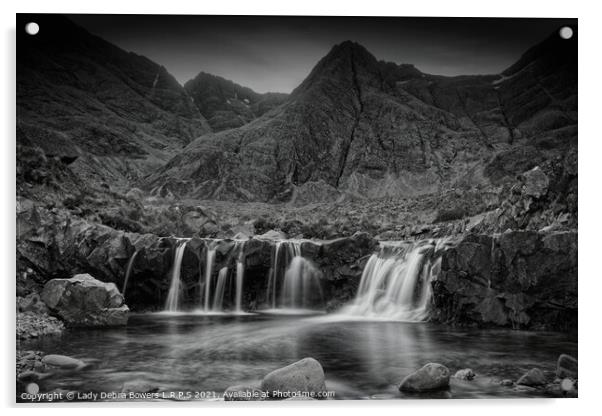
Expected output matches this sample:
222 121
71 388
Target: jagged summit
357 127
346 61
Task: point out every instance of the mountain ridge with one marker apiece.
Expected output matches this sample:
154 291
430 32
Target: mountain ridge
114 115
359 127
227 104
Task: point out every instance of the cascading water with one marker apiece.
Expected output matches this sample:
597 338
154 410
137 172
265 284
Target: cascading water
298 286
301 288
218 299
128 272
240 272
209 259
396 282
271 292
173 297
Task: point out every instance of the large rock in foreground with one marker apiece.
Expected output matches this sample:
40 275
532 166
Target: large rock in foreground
85 301
431 377
306 376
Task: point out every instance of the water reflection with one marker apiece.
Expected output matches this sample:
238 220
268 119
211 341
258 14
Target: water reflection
361 359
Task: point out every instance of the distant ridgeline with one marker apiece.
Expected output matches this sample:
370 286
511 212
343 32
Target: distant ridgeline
91 113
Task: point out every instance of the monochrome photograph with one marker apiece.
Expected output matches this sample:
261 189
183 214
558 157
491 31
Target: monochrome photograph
284 208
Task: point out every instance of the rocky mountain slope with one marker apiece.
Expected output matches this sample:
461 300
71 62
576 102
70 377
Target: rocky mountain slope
361 128
90 111
226 104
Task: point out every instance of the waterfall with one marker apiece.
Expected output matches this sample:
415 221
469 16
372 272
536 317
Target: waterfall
128 272
240 271
297 286
210 258
173 297
218 299
240 274
301 288
396 282
271 291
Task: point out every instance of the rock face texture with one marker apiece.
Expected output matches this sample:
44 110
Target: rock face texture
99 112
227 105
51 246
85 301
518 279
360 127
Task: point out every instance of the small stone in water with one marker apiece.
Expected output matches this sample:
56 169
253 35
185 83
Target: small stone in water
567 384
533 377
432 376
465 374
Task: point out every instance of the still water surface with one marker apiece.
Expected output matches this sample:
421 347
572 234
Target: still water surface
361 359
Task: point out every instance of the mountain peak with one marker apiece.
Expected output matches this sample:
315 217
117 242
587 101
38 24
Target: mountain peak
347 60
350 48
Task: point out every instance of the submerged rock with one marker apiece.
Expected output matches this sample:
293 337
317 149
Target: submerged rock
465 374
85 301
567 367
533 377
305 376
63 361
243 393
432 376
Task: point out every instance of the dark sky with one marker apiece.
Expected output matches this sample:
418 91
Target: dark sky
277 53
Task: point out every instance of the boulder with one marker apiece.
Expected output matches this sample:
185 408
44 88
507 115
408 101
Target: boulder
432 376
305 376
533 377
243 393
566 367
465 374
85 301
63 361
536 182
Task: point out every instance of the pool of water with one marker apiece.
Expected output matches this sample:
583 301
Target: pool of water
361 359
